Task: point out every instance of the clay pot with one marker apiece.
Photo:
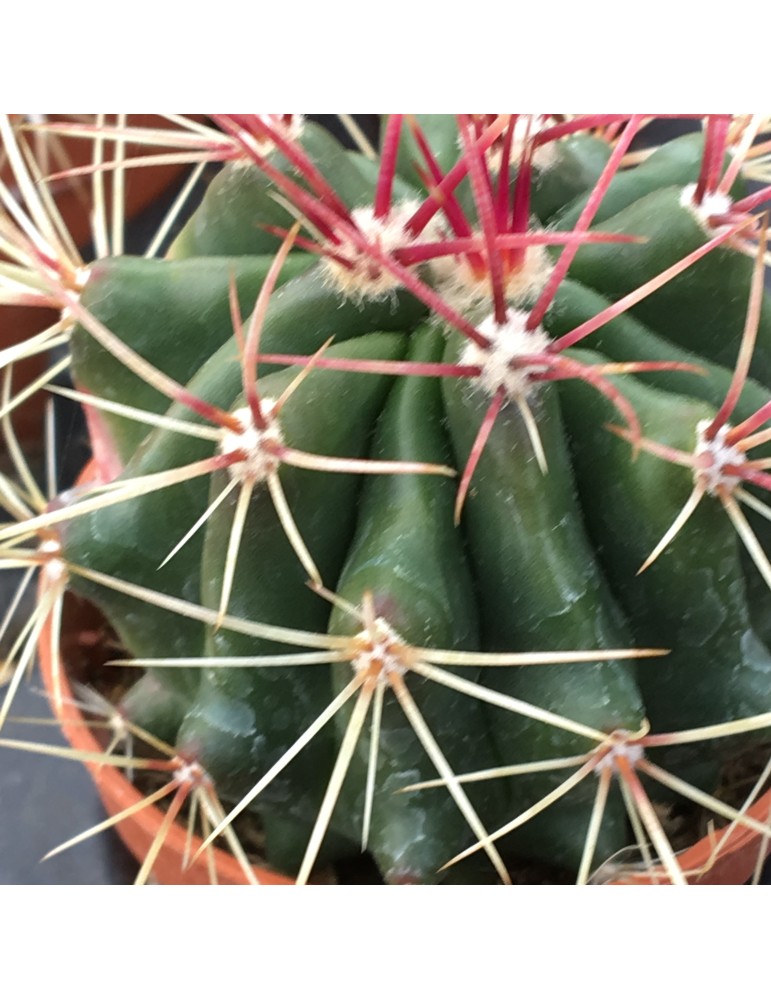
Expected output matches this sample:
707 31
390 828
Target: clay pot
18 323
735 864
117 793
115 790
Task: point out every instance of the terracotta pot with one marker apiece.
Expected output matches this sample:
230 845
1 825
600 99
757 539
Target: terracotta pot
142 185
115 790
737 859
117 794
17 324
734 866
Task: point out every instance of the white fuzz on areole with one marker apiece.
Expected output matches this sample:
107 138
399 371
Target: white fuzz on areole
379 651
508 342
191 774
525 129
711 204
74 282
366 278
54 568
466 291
251 440
290 129
67 320
721 454
631 752
81 276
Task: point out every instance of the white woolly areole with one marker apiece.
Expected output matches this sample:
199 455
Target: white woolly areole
525 129
721 454
54 568
191 774
711 204
465 291
66 318
508 342
380 652
631 752
367 278
81 276
291 129
260 463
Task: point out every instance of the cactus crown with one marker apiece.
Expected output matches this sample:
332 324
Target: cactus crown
377 547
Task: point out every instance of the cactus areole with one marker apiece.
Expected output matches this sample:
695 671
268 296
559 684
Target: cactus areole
432 517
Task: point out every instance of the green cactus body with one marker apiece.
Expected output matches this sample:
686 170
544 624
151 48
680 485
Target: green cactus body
156 707
675 163
626 339
241 201
174 314
244 720
718 668
123 542
540 588
258 470
239 191
106 540
574 168
704 308
303 315
409 556
441 134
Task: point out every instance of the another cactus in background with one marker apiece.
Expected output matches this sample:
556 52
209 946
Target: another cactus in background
339 633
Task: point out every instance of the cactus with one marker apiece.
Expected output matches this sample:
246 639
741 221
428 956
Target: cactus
423 498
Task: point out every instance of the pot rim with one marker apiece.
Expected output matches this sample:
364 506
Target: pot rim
734 865
117 793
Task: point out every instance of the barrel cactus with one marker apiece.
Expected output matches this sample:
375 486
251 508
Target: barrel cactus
428 495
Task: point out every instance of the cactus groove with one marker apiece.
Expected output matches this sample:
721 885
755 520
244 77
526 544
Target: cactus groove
376 539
